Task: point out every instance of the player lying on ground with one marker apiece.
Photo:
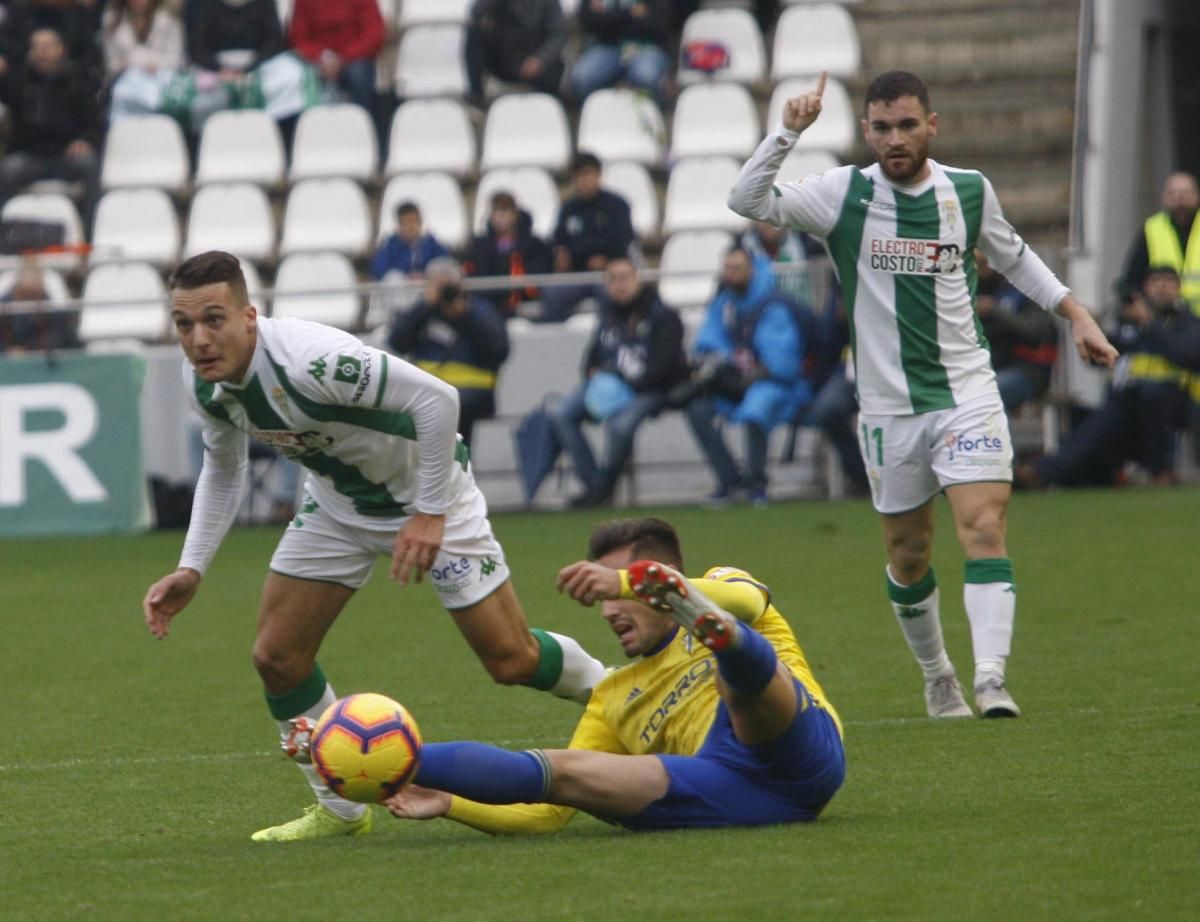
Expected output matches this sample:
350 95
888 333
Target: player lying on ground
718 724
387 476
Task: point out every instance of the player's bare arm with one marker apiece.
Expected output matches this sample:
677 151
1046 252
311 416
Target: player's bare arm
1091 343
588 582
801 111
414 802
167 598
416 547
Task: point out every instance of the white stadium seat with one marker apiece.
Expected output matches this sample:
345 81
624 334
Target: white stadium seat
834 130
123 301
317 286
336 140
696 257
632 182
440 200
50 208
242 145
430 62
815 37
715 118
326 215
533 189
526 129
697 192
622 125
145 150
235 217
136 224
802 163
735 29
431 134
425 12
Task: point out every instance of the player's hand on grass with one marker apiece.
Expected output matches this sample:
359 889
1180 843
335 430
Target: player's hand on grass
416 547
414 802
167 598
801 111
588 582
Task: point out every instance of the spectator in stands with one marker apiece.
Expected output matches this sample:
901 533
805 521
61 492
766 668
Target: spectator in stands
458 337
624 40
520 41
55 120
787 250
341 39
508 247
1148 403
752 347
16 24
409 249
32 326
1022 336
634 358
594 226
78 23
143 45
834 407
1168 238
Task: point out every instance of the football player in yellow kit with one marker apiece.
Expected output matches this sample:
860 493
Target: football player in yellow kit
720 723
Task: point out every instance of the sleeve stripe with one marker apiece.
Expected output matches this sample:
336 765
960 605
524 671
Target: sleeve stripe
383 368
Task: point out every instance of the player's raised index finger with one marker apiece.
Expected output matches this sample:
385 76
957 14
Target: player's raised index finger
820 90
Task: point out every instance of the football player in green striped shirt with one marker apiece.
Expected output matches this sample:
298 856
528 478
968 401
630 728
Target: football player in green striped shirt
902 235
387 476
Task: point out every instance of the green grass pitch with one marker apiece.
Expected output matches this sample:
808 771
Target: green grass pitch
133 771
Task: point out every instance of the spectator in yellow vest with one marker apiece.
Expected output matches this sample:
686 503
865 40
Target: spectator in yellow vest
1167 239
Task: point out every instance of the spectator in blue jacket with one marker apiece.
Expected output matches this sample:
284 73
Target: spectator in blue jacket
409 250
455 336
752 348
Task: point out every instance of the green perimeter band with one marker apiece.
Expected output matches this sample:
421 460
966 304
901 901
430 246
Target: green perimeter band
911 595
299 699
989 570
550 661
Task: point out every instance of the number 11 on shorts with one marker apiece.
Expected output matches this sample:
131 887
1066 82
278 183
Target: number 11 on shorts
877 435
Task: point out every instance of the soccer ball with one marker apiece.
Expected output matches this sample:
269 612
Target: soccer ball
366 747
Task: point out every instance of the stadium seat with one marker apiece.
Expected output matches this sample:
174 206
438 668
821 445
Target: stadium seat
235 217
387 10
526 129
622 125
713 119
737 31
284 9
50 208
696 195
317 286
431 134
426 12
429 62
801 163
242 145
533 189
690 264
335 140
815 37
326 215
440 200
147 150
834 130
632 182
136 224
124 301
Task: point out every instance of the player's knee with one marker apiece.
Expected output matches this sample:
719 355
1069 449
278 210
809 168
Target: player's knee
280 668
983 530
909 557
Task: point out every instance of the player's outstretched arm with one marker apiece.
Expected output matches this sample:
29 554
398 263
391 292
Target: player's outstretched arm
588 582
414 802
1091 343
168 597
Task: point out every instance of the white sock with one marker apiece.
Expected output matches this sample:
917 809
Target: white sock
346 809
916 610
580 670
991 609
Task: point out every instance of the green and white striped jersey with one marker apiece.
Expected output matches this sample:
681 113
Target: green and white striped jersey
905 258
377 434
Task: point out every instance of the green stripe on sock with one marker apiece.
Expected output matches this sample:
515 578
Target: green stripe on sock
989 570
299 699
911 595
550 661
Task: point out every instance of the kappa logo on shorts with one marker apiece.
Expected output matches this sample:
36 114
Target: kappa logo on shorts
967 445
487 568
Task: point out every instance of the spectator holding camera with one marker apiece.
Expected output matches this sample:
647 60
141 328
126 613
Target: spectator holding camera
455 336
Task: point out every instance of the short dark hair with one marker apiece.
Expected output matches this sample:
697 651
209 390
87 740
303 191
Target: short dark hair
504 200
585 160
211 268
407 208
1163 269
890 86
648 538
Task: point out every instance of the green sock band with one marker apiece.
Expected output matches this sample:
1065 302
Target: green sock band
550 661
911 595
299 699
989 570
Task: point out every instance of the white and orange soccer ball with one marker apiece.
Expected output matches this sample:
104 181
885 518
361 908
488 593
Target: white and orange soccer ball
366 747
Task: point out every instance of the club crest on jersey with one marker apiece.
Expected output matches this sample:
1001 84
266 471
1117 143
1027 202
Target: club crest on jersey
279 395
950 213
346 369
904 256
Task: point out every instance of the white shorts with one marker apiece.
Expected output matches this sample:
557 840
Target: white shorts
469 567
910 459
